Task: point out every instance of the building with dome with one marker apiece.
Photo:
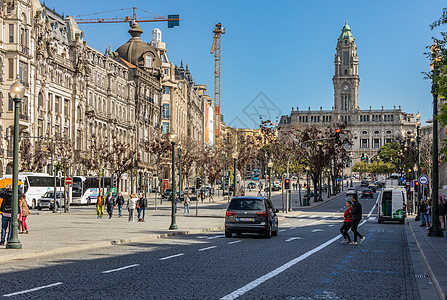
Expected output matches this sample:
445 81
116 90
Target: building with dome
371 128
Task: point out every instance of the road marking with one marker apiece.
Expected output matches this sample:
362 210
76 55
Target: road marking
315 222
316 230
331 225
207 248
282 230
235 242
172 256
33 290
291 228
248 287
312 217
285 224
294 238
202 237
119 269
215 237
372 219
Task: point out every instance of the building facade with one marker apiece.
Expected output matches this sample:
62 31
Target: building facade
372 128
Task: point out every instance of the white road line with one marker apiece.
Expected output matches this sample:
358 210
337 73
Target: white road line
294 238
215 237
172 256
331 225
315 222
317 230
207 248
291 228
248 287
235 242
239 292
33 290
281 230
119 269
372 219
312 217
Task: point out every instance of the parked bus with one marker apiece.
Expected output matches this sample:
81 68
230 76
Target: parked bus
85 189
256 174
35 185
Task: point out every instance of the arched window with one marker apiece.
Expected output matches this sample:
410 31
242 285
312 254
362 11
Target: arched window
40 100
148 61
364 132
346 72
376 132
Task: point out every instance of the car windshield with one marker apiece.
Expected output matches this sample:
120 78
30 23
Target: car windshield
367 191
48 195
247 204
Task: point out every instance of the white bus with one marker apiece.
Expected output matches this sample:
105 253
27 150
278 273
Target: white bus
85 189
35 185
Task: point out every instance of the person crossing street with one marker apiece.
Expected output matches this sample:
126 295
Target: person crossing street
356 218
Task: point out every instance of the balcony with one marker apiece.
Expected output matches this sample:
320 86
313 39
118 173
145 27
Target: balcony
24 50
23 117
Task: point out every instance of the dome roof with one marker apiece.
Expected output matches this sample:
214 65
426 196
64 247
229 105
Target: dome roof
135 50
346 33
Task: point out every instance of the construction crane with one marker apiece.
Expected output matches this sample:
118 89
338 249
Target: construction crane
173 20
218 31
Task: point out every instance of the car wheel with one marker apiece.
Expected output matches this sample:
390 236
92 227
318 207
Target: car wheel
228 234
268 233
275 233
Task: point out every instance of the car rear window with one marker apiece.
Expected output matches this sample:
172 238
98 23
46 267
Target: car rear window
247 204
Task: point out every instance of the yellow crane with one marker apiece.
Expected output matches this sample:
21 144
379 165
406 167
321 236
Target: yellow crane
218 31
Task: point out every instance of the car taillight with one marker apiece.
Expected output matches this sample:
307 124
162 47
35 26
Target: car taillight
230 213
262 214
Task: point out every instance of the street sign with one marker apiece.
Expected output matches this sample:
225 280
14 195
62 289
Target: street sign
68 180
423 179
113 190
59 175
412 183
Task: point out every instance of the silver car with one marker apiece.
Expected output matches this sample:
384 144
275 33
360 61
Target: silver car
251 215
47 200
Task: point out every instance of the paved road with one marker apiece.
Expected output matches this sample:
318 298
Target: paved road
305 261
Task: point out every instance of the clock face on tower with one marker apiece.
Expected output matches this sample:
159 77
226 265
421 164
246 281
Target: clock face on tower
345 87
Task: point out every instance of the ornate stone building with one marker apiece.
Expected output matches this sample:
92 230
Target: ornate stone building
371 128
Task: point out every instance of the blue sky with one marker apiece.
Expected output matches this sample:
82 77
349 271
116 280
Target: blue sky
283 51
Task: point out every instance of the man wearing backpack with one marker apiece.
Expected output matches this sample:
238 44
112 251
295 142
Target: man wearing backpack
142 203
422 210
120 202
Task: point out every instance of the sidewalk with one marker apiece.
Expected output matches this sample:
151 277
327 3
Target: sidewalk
434 255
78 230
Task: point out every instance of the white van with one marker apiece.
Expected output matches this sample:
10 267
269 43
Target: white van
392 205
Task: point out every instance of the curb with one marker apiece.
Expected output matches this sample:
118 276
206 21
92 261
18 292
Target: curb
442 294
5 258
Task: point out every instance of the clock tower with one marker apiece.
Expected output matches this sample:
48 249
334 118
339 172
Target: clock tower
346 79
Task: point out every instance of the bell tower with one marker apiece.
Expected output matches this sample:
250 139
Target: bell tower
346 79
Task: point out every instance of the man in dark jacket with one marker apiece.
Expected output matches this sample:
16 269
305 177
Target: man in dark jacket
6 210
142 203
110 202
120 202
356 218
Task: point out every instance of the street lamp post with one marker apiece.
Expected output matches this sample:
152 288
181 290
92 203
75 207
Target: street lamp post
173 140
180 168
434 229
16 91
418 141
234 173
269 166
307 184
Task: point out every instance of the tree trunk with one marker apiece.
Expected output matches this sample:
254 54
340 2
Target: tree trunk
315 182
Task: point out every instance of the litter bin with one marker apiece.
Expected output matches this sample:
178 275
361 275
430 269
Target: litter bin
306 201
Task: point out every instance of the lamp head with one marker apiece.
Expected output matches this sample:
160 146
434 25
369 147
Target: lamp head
270 164
17 89
173 137
418 116
418 122
234 154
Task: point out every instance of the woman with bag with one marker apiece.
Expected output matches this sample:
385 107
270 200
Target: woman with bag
24 212
347 224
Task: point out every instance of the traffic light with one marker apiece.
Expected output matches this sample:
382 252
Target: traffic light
337 135
287 184
416 183
363 156
198 182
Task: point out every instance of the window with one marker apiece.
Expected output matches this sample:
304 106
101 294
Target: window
11 68
376 143
346 72
10 103
148 61
345 58
364 143
66 112
166 71
364 132
376 132
56 105
40 99
23 73
11 33
387 141
39 127
388 132
165 128
166 90
165 111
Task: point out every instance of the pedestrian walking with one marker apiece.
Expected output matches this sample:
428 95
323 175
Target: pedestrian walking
120 203
259 194
356 218
442 212
131 206
347 223
110 203
100 206
422 209
186 202
428 220
6 209
142 204
24 213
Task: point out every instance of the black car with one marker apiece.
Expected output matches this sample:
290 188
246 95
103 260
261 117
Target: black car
252 215
166 194
251 185
367 194
372 187
364 183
